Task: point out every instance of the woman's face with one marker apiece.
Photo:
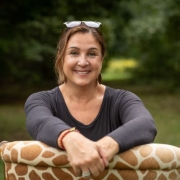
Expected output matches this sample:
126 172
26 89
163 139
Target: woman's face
82 60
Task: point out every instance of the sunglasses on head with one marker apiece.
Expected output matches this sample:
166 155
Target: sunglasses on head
92 24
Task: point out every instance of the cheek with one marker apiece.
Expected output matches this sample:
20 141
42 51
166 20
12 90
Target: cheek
68 63
100 65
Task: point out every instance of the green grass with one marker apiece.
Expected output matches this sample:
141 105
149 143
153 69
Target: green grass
12 118
165 109
1 170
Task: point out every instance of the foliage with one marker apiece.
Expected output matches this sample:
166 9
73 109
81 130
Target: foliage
145 30
153 34
118 69
30 33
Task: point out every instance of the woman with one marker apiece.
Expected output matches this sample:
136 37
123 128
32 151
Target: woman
89 120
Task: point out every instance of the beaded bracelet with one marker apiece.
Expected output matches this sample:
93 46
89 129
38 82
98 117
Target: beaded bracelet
64 134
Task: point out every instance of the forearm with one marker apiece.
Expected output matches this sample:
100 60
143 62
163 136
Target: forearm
136 132
110 146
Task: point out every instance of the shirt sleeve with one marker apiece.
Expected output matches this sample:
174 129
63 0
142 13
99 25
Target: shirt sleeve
137 124
41 122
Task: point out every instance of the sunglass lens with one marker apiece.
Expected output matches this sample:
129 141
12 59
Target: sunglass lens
72 24
92 24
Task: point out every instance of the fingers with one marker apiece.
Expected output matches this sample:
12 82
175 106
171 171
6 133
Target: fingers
84 156
96 167
86 173
103 155
88 167
77 171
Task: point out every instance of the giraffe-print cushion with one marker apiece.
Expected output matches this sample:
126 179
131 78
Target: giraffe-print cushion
34 160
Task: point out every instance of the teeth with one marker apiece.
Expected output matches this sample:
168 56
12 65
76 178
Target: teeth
80 72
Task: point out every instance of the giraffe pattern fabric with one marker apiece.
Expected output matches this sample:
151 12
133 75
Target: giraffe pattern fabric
34 160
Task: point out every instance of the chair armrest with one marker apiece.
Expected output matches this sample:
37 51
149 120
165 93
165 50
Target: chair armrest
145 157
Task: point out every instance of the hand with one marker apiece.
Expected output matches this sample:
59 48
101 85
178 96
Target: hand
109 147
84 155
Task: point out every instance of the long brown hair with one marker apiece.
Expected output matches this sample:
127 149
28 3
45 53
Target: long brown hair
61 47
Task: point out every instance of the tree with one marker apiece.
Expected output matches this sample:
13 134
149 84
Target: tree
30 33
153 35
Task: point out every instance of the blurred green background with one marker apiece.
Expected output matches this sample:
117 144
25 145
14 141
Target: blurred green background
143 43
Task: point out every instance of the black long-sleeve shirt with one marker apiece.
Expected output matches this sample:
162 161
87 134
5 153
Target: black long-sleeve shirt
122 116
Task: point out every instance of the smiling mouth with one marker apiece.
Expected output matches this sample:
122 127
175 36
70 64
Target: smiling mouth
82 72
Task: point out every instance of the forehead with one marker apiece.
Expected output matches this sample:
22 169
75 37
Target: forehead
83 39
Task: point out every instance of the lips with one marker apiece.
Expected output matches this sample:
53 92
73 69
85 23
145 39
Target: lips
82 72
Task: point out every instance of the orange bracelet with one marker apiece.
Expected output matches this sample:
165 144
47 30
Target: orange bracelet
64 134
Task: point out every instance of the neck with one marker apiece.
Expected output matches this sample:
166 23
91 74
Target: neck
80 93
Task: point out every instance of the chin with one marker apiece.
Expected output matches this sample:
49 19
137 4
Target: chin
84 83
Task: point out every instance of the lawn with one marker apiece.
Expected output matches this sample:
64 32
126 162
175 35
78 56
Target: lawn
164 107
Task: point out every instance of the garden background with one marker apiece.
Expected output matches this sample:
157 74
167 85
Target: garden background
143 43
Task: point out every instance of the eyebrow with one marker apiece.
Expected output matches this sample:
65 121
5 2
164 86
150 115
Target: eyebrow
92 48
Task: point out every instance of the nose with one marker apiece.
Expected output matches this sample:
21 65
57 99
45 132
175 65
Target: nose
82 61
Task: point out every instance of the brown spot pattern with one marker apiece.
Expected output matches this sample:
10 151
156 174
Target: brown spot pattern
130 158
128 174
71 171
120 165
162 177
14 155
21 178
112 177
60 160
146 150
164 154
10 145
34 176
21 170
30 152
172 176
173 166
42 163
149 163
6 158
60 173
12 177
47 176
81 178
41 167
150 175
48 154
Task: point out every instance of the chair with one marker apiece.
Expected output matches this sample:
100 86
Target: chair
34 160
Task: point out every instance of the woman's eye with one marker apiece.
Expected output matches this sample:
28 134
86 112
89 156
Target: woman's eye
74 53
92 54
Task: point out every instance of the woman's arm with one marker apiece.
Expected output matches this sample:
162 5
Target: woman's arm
84 155
41 122
137 125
